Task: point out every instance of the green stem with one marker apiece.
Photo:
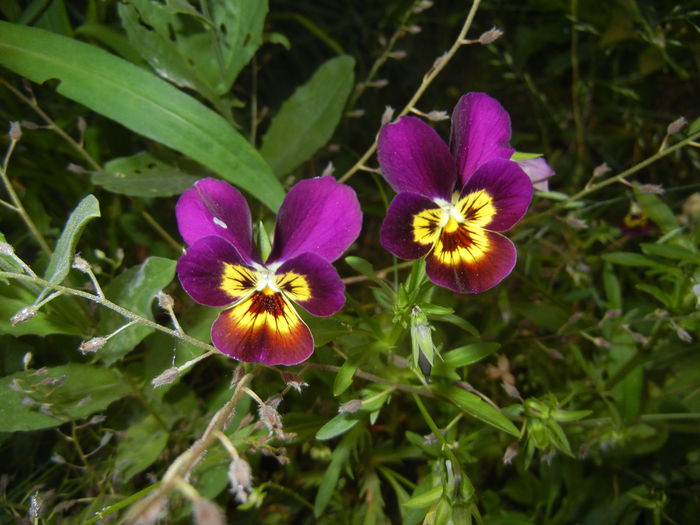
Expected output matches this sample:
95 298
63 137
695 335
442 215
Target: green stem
111 306
612 180
433 72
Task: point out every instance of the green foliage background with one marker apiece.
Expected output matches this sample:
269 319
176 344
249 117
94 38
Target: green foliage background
594 334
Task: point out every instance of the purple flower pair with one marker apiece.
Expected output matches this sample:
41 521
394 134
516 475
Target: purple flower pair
316 223
451 206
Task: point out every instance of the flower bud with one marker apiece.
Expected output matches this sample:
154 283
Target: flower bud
350 407
510 454
165 301
92 345
15 131
25 314
166 377
675 126
388 115
81 264
398 54
414 29
601 169
437 116
655 189
6 249
240 478
206 512
490 36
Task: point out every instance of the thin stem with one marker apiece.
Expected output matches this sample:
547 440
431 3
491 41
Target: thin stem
159 229
114 307
612 180
188 459
433 72
19 208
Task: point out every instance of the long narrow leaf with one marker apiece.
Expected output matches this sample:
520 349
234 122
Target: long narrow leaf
140 101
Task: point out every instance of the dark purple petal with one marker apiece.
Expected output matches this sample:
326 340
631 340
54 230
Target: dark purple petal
509 189
471 263
312 282
480 132
263 327
214 207
399 234
318 215
413 158
214 273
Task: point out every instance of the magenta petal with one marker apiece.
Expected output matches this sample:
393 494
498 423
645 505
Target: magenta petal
318 215
413 158
202 268
397 235
480 132
214 207
475 277
312 282
509 188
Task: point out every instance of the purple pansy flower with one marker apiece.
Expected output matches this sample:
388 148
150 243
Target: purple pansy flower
453 202
316 223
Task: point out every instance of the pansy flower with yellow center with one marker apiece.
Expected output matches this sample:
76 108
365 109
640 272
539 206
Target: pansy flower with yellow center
453 201
316 223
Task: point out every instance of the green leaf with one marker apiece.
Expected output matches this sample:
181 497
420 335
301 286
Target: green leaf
457 321
143 443
340 456
140 101
425 499
670 251
62 257
343 378
656 292
657 210
85 390
142 175
308 118
634 259
337 426
43 323
134 290
476 407
468 354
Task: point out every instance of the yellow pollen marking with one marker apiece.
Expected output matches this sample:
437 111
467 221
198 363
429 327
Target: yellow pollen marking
294 286
477 208
262 310
268 291
426 226
462 246
237 280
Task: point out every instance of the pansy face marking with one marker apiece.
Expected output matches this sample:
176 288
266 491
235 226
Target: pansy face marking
452 203
317 221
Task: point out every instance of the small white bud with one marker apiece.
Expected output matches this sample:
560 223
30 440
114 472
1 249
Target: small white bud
601 343
684 335
31 125
76 168
240 478
356 113
382 82
425 4
6 249
58 459
294 381
601 169
350 407
511 390
165 301
81 264
15 131
414 29
490 36
675 126
510 454
399 54
577 223
206 512
96 420
166 377
271 419
25 314
328 170
26 361
15 385
35 506
655 189
388 115
82 125
437 116
92 345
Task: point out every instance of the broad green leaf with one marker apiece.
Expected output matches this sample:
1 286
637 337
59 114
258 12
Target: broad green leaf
636 259
340 456
611 284
468 354
142 175
457 321
43 323
425 499
343 378
656 292
62 257
85 390
337 426
141 446
308 118
476 407
140 101
134 290
670 251
694 127
657 210
111 38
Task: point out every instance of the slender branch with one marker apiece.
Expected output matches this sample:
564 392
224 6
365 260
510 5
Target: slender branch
114 307
433 72
612 180
184 463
